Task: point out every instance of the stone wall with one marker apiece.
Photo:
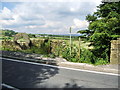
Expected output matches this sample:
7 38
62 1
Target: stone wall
115 52
40 44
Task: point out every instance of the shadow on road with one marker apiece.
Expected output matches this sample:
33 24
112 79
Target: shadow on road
23 75
72 84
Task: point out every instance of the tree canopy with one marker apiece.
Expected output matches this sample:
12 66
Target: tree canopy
9 33
104 26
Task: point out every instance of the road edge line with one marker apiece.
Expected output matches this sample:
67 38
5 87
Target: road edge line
10 87
62 67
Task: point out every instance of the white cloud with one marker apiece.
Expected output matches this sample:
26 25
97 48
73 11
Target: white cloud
50 0
72 9
6 14
80 24
47 17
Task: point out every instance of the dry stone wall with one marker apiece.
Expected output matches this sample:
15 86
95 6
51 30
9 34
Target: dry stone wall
38 43
115 52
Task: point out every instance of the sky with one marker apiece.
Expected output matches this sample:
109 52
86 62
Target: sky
46 16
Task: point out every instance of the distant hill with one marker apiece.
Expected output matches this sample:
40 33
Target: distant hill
68 34
11 33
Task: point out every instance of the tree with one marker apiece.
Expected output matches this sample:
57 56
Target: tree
32 35
9 33
103 27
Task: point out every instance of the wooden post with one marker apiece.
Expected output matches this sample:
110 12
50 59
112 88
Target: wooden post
58 48
79 48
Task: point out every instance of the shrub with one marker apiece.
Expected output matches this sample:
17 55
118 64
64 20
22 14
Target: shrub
66 53
45 47
87 56
101 61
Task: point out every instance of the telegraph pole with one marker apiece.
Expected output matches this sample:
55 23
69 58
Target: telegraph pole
79 48
70 43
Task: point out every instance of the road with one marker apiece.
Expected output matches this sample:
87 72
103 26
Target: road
21 74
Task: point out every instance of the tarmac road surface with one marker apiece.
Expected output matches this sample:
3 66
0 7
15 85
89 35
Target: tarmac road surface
22 74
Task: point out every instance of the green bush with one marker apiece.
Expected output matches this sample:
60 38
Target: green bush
51 55
74 59
33 49
87 56
44 48
66 53
101 61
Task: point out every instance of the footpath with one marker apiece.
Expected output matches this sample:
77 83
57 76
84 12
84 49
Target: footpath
60 62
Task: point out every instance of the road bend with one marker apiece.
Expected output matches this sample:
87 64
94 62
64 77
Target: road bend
23 74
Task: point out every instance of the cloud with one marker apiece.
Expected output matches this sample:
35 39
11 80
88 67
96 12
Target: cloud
48 24
79 23
47 17
50 0
6 14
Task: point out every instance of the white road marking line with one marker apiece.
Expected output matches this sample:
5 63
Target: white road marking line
62 67
10 87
